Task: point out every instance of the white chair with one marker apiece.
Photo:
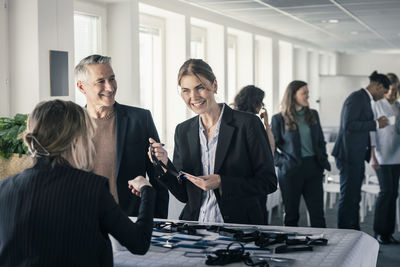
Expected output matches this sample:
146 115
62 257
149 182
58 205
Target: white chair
332 179
369 191
273 200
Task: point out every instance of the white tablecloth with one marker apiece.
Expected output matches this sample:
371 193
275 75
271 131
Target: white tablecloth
345 248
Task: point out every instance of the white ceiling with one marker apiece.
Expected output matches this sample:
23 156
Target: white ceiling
363 25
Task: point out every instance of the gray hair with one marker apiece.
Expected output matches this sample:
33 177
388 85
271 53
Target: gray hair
81 71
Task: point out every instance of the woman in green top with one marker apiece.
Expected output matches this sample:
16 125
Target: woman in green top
300 155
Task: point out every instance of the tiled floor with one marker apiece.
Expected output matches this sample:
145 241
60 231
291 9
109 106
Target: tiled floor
389 255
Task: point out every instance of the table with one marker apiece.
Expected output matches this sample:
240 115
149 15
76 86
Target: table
345 248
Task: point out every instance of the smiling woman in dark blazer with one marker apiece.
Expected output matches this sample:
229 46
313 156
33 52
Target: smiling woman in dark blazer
300 155
228 149
59 214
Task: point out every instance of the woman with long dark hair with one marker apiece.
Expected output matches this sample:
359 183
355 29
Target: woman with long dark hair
300 155
225 153
250 99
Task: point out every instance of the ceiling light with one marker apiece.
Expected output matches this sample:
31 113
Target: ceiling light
354 32
333 21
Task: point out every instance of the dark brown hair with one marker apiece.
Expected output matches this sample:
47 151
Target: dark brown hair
288 107
249 99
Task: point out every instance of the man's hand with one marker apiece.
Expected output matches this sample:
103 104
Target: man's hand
373 161
136 184
383 122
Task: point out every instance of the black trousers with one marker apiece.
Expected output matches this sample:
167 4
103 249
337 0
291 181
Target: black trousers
351 177
385 209
304 180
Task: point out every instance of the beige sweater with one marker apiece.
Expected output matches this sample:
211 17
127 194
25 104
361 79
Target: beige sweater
105 161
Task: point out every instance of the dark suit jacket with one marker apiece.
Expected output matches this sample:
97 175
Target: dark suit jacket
288 143
356 121
61 216
243 160
134 127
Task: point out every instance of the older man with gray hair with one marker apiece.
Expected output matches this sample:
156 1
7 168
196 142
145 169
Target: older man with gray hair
122 135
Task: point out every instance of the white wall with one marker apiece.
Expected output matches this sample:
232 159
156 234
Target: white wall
36 27
264 69
365 64
4 74
244 54
276 101
285 66
24 57
215 52
333 92
123 47
56 32
300 64
313 78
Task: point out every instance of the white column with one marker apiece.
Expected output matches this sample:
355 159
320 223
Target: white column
123 47
275 75
300 65
4 64
313 78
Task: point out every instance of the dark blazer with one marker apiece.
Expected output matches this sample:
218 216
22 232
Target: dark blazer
288 142
243 160
61 216
356 121
134 127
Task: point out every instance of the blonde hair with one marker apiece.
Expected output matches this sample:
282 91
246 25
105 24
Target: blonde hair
62 131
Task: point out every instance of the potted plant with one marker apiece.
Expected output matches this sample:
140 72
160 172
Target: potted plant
13 158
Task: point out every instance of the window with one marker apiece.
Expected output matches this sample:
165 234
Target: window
263 68
151 68
87 42
232 67
198 43
285 66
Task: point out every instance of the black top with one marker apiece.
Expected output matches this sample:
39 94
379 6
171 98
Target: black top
61 216
356 121
287 154
243 159
134 127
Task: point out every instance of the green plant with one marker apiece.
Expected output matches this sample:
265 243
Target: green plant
10 135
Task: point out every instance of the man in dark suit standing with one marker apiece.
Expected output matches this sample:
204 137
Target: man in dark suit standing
353 146
122 135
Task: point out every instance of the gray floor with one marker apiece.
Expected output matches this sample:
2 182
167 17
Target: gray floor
389 255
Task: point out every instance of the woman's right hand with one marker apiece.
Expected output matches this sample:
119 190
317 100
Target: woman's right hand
264 117
158 151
